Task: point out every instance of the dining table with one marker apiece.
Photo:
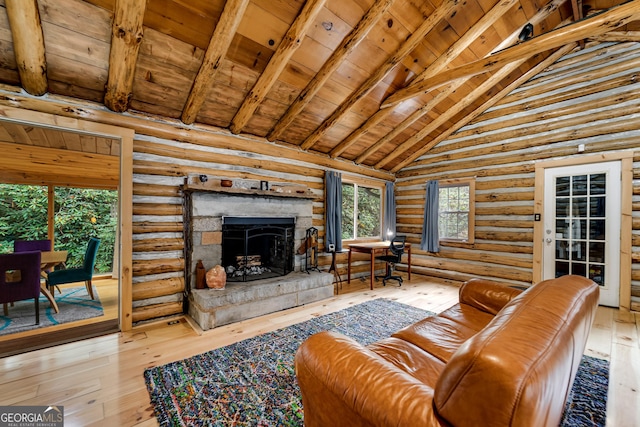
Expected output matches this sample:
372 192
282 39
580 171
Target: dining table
48 261
373 249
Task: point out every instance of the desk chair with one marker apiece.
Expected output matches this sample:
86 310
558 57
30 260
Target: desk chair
397 249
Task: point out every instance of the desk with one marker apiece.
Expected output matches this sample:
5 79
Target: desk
375 248
48 260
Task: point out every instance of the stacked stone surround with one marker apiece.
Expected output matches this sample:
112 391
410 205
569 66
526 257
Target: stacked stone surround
243 300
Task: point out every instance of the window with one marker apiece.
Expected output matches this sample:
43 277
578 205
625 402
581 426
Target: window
456 210
361 211
78 214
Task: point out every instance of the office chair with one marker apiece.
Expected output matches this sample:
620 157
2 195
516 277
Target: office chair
397 249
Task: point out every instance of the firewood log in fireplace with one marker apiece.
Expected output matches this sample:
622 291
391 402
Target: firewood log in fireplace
250 261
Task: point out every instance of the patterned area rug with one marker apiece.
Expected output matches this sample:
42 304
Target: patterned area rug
252 382
74 304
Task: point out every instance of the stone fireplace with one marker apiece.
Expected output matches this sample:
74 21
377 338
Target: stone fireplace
253 233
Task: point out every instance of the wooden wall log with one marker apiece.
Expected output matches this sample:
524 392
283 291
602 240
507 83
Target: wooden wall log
157 266
151 245
162 227
156 311
157 288
156 209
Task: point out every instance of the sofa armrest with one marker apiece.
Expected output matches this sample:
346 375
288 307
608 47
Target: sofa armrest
487 295
345 383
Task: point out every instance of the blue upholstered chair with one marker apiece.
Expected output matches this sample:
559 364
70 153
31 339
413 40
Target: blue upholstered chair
84 273
22 280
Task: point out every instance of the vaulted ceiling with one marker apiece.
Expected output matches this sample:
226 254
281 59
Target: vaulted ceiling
376 82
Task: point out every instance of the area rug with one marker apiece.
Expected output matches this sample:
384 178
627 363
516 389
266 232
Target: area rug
252 382
73 304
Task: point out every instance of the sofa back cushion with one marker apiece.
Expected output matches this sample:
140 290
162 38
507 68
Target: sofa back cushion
519 369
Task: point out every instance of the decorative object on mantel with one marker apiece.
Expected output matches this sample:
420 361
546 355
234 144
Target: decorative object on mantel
200 275
216 277
311 246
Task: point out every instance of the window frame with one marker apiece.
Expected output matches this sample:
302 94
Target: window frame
359 182
461 182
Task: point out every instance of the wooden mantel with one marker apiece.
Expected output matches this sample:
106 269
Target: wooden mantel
276 189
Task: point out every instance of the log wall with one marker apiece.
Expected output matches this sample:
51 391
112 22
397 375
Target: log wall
589 97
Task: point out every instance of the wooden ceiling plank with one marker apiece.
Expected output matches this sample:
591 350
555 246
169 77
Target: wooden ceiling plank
489 103
28 44
218 46
415 116
444 10
290 43
350 42
17 133
126 36
457 48
593 25
617 36
351 139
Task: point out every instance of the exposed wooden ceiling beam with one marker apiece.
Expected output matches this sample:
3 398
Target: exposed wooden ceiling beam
126 36
487 20
481 109
576 8
349 43
593 25
287 47
218 45
538 18
28 44
617 36
445 9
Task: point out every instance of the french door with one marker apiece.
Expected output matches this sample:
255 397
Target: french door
582 213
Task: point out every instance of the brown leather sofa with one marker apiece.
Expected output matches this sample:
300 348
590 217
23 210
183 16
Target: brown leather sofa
500 357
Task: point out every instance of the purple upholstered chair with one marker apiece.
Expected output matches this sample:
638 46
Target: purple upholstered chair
23 281
31 245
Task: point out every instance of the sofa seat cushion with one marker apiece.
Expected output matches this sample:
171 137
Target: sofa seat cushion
468 316
409 358
437 335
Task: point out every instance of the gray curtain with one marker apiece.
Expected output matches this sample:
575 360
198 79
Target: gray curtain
430 238
333 208
389 222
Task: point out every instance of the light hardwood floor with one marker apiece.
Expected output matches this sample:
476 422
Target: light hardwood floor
99 381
